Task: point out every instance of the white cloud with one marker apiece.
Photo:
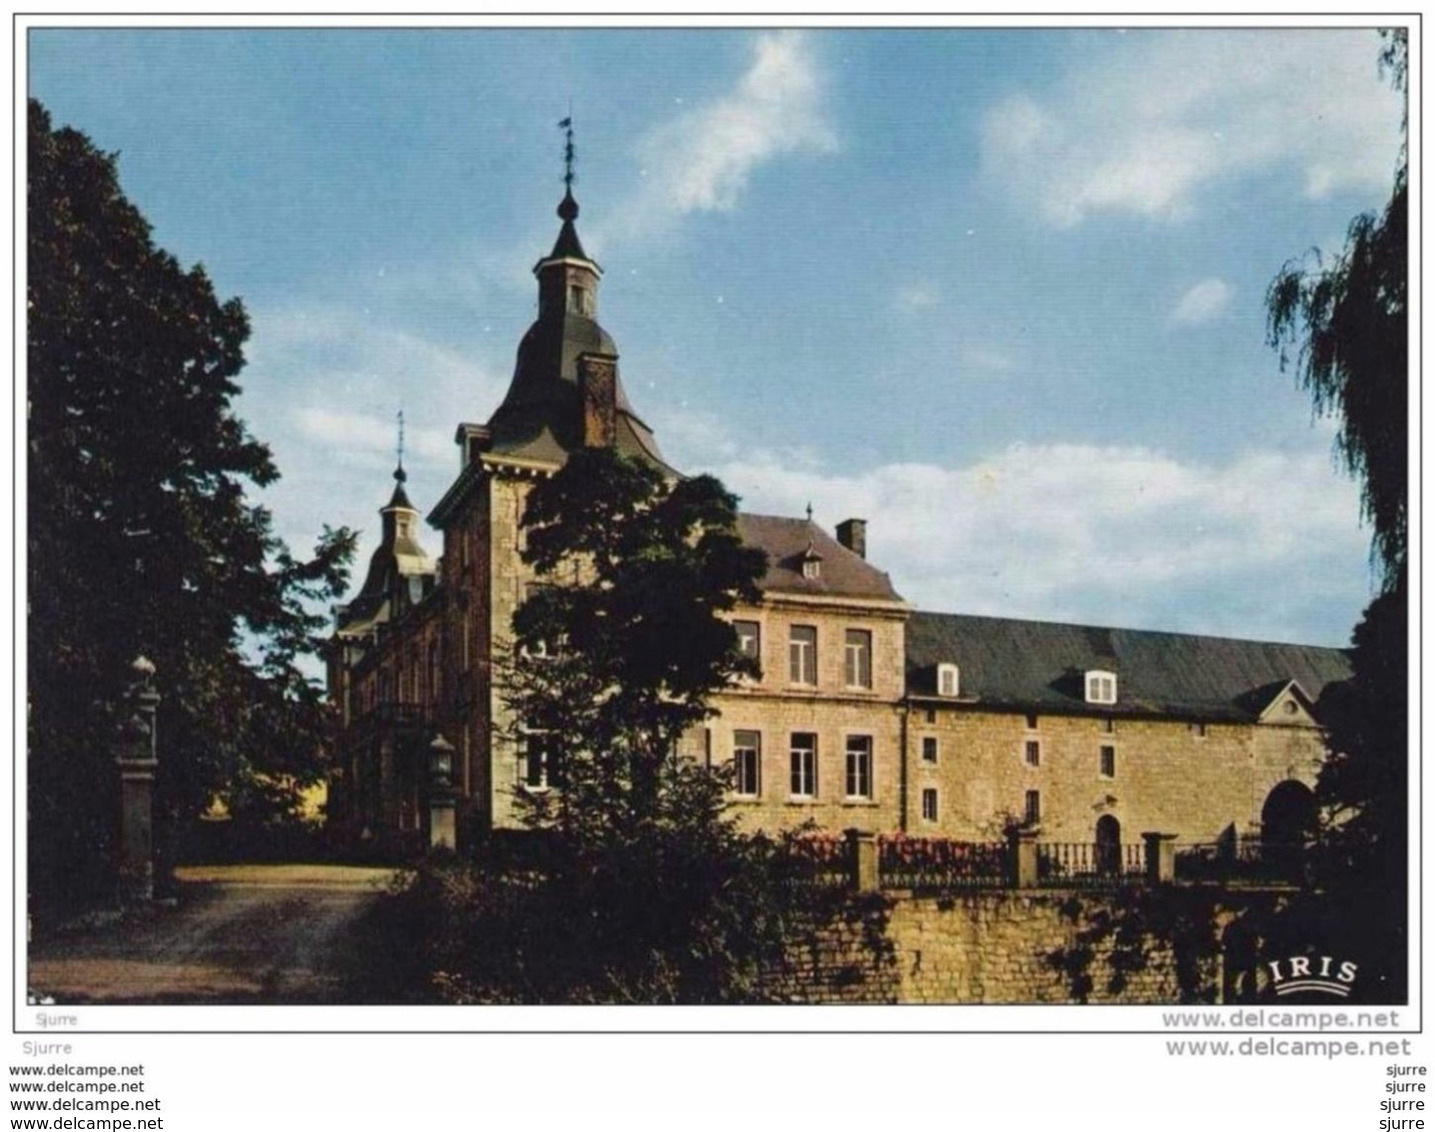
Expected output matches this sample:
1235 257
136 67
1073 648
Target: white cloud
1166 114
703 159
1203 302
371 438
1262 546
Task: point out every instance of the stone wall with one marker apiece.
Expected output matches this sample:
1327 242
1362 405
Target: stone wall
1198 781
987 947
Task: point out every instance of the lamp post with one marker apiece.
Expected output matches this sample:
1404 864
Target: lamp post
137 759
442 834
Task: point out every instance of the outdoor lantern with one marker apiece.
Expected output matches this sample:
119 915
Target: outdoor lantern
441 761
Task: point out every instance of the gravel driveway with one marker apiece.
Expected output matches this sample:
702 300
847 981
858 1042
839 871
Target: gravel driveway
238 934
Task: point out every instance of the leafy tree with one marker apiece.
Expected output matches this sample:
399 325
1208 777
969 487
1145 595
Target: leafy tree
1344 327
140 537
651 893
631 644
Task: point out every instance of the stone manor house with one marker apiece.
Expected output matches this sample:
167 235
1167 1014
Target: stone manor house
868 714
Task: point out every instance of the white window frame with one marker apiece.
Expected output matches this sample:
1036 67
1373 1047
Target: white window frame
755 748
1100 686
930 813
857 658
946 673
802 656
802 766
859 755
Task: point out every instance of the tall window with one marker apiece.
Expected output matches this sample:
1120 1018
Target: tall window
858 658
1033 807
859 766
929 803
949 680
1108 762
802 654
1033 752
747 763
749 639
804 765
929 748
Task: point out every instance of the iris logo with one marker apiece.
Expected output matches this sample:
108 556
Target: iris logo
1320 974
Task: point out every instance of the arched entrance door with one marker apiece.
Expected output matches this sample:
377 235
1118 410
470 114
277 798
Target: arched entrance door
1287 826
1108 845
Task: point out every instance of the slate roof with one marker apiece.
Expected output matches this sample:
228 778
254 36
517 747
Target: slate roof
541 417
1038 665
397 556
787 541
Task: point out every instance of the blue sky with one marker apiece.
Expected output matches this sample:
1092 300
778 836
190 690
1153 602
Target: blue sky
998 291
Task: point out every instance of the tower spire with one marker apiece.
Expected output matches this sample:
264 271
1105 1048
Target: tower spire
568 207
399 473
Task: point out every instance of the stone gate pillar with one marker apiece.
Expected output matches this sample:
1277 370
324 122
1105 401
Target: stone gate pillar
137 759
1024 862
1160 857
442 827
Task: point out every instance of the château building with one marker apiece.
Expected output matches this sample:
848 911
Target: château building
867 714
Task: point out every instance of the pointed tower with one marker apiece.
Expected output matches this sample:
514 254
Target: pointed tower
400 570
566 394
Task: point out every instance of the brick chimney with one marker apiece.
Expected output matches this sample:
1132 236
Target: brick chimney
852 533
598 386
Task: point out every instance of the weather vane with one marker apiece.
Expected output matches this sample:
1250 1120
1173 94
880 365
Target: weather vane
399 473
567 127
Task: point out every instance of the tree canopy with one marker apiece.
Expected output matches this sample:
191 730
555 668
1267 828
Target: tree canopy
141 536
627 626
1344 327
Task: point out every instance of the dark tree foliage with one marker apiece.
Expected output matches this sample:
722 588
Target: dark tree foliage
140 537
1344 327
618 654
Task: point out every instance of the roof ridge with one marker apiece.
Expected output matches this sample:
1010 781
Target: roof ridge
1126 629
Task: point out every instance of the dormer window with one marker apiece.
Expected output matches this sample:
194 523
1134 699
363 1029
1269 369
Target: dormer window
1100 687
949 680
811 562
